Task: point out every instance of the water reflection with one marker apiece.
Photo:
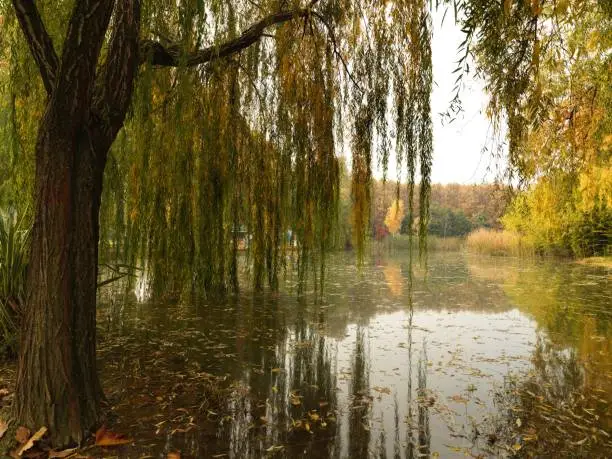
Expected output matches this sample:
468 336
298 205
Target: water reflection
386 366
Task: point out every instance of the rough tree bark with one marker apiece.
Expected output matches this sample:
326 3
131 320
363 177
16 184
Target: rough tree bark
57 380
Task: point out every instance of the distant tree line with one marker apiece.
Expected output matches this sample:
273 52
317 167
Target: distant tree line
455 209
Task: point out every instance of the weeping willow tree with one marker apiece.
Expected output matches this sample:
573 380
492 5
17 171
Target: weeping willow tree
546 64
189 120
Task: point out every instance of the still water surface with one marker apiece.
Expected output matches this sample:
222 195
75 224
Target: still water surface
386 365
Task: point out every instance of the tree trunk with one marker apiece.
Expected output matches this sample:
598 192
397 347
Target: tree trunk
57 380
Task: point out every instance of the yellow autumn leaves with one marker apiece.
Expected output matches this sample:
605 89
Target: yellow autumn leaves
395 215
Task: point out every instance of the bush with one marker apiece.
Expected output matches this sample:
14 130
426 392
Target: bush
591 233
14 251
445 222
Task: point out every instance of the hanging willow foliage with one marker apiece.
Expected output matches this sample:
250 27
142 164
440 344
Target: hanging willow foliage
247 146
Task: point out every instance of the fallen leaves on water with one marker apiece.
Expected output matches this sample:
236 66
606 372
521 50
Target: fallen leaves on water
382 390
107 438
33 439
459 399
173 455
275 448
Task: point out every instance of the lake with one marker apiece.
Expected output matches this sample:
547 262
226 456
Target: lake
469 356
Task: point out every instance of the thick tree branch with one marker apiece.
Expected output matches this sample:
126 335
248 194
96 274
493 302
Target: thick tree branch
116 80
172 56
76 75
39 41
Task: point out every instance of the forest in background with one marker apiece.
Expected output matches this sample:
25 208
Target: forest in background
159 133
455 209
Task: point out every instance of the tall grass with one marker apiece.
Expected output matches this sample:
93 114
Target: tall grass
494 242
14 251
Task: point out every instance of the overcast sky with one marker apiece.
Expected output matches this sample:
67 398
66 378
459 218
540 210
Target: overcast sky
458 146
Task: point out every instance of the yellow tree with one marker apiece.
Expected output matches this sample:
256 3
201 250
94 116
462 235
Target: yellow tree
395 214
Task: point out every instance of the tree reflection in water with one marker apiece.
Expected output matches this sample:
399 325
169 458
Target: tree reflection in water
382 367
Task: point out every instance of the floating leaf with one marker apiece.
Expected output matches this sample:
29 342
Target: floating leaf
382 390
107 438
519 423
459 399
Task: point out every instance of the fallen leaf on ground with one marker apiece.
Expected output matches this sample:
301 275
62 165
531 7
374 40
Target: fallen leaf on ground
33 439
22 434
62 454
107 438
3 428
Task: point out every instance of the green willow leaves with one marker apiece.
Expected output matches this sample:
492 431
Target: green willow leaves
244 151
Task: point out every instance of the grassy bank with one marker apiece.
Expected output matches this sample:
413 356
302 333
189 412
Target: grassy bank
494 242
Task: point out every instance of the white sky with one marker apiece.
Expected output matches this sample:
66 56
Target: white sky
458 146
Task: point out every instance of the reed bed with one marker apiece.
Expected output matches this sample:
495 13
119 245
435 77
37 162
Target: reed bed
500 243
